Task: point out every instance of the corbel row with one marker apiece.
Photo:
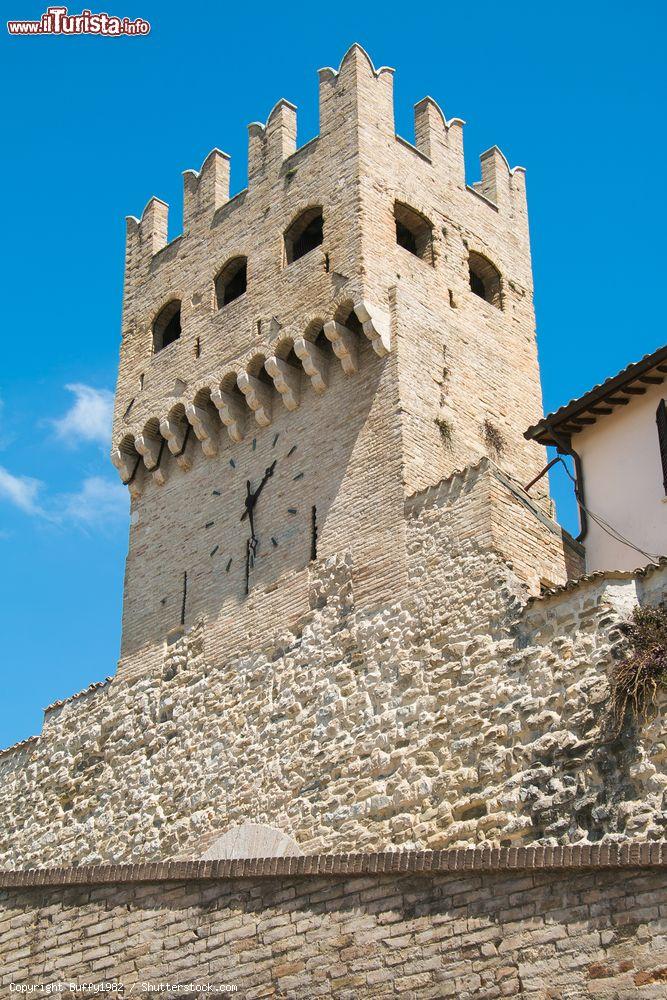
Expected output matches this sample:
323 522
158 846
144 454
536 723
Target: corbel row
219 403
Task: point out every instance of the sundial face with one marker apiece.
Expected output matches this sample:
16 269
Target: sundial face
264 497
195 556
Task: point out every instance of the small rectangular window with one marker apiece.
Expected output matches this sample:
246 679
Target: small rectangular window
661 419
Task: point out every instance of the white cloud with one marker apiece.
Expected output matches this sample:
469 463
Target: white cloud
89 418
97 501
21 491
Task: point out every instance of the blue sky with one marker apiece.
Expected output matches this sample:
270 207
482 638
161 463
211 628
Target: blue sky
93 127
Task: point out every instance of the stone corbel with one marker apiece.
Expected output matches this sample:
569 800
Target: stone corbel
344 344
231 412
258 397
314 363
122 463
150 450
203 428
126 470
286 380
376 326
175 434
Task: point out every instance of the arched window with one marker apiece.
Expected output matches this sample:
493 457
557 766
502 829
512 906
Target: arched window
485 279
232 281
305 233
414 232
167 325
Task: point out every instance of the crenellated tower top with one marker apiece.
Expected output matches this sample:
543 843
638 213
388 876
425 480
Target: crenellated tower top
354 93
356 138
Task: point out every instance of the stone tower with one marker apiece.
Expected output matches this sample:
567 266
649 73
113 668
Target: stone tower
346 617
313 353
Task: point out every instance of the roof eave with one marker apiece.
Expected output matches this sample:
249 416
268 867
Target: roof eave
602 400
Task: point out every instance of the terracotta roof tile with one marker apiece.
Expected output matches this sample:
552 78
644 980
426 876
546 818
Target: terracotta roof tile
599 394
91 687
21 743
598 575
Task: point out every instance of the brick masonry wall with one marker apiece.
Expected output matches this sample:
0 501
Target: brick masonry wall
557 926
462 360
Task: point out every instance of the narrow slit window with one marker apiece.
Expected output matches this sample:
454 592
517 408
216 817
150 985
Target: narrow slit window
313 534
184 596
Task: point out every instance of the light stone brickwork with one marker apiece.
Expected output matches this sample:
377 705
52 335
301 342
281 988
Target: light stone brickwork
541 935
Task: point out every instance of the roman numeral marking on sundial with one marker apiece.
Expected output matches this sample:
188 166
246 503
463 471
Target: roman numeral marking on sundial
313 534
185 596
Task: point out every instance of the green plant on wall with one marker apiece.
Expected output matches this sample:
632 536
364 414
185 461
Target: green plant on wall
638 679
445 428
493 438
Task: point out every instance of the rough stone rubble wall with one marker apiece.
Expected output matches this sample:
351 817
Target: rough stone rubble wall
540 935
459 716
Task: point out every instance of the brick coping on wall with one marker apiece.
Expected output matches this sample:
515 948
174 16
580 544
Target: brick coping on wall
457 860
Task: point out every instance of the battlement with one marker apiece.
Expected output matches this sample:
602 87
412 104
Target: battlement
355 92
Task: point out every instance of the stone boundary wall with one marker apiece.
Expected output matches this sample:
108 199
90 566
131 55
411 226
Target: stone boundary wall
540 923
638 854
